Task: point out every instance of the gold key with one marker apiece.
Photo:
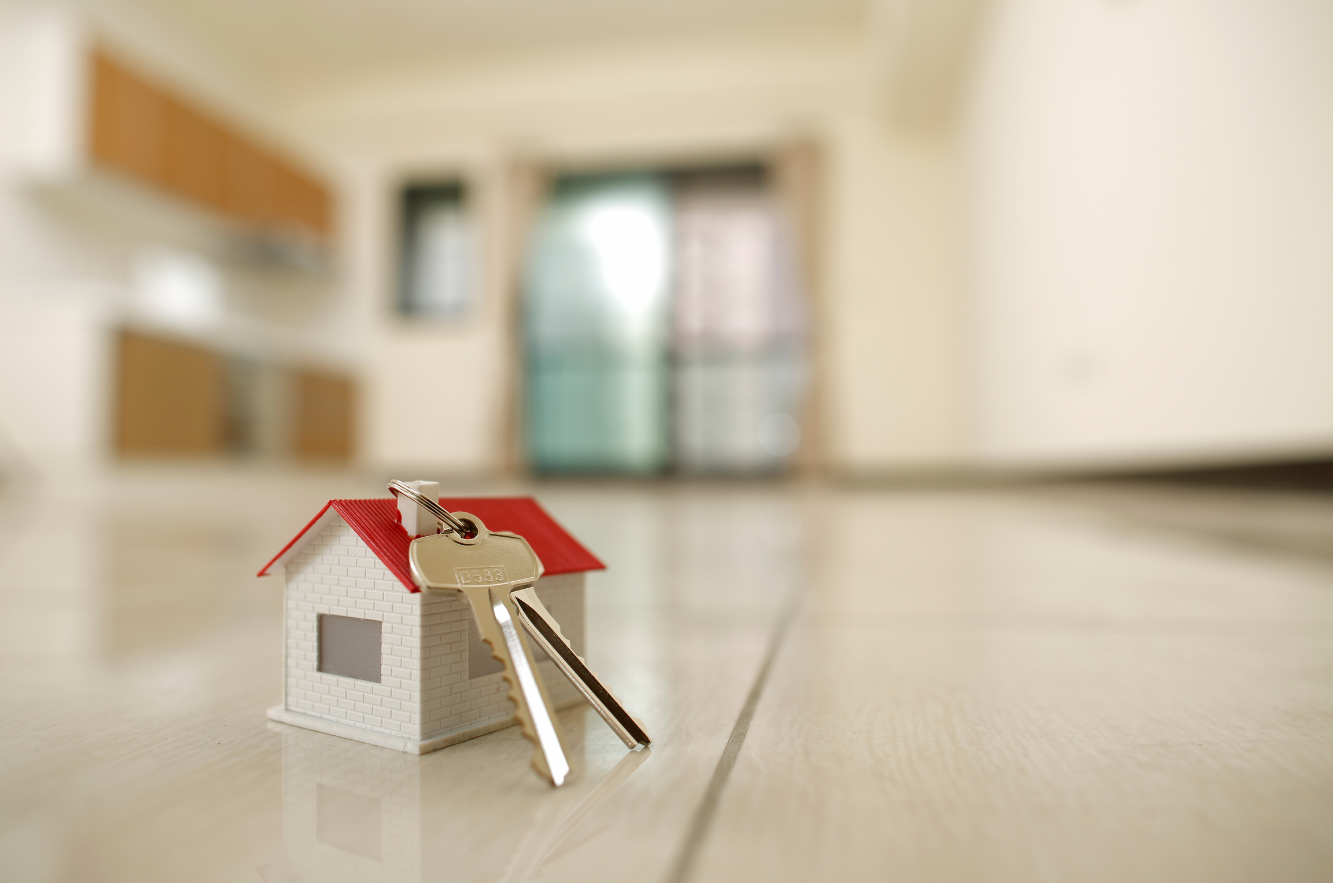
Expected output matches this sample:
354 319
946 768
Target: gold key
486 567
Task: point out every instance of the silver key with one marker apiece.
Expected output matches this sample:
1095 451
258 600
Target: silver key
486 567
543 629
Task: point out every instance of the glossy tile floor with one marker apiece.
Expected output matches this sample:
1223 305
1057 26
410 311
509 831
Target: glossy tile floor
1061 684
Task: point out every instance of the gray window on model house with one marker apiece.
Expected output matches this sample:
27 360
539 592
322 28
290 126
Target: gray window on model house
350 647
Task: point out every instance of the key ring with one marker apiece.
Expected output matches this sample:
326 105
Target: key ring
403 489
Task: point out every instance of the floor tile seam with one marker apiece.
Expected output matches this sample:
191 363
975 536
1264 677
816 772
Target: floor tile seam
701 824
1119 625
1312 554
1304 549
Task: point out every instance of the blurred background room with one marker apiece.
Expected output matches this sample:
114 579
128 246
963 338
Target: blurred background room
872 240
681 269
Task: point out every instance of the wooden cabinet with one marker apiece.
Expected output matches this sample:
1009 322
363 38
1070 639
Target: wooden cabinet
171 398
323 417
145 131
178 398
298 201
194 155
129 121
251 179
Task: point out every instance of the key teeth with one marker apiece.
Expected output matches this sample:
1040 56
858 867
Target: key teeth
554 625
525 724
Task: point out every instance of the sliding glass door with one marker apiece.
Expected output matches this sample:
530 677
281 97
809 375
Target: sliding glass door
663 327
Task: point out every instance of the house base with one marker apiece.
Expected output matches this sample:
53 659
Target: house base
384 740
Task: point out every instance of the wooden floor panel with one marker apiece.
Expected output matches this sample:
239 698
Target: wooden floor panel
854 685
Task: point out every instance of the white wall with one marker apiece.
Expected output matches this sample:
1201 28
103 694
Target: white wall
434 393
889 293
1151 189
893 327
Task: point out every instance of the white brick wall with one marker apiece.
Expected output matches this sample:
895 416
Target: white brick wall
425 690
336 573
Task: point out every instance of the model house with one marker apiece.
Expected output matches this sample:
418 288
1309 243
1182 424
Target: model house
371 657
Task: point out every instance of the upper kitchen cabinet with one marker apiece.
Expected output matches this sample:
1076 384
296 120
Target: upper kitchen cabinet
139 128
128 129
194 156
299 201
250 185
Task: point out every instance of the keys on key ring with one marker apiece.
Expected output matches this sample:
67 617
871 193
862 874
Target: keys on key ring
497 571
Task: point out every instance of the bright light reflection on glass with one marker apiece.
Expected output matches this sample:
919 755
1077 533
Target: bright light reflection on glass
631 254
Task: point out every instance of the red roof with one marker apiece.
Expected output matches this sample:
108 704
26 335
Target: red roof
377 523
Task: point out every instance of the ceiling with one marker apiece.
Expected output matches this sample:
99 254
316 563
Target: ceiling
303 38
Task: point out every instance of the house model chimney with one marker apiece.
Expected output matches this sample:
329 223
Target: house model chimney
416 520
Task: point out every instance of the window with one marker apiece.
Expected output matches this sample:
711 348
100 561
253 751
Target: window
350 647
438 256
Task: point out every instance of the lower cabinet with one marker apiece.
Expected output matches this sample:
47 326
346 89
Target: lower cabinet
171 398
323 416
178 398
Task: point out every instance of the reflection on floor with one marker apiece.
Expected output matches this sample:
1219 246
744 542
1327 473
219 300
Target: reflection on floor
1075 683
356 812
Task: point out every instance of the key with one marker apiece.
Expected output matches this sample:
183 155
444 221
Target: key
518 597
543 629
486 567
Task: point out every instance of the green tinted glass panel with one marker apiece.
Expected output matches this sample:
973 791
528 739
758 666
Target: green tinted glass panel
595 328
